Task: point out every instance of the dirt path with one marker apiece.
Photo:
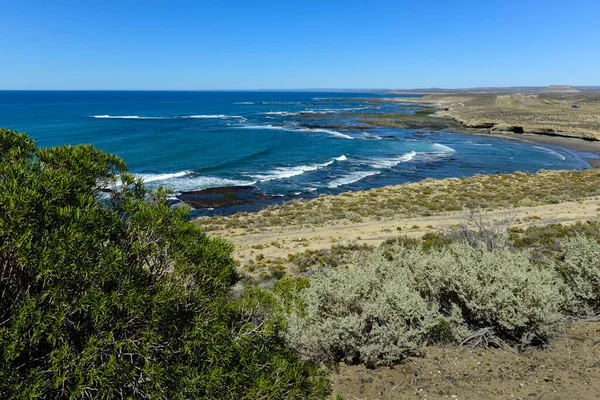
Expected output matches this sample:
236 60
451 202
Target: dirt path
278 242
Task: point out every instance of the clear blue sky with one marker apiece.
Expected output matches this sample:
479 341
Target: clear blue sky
127 44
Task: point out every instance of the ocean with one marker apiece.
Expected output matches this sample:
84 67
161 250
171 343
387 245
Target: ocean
287 144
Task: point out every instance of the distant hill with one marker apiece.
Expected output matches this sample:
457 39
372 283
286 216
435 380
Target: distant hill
514 89
560 89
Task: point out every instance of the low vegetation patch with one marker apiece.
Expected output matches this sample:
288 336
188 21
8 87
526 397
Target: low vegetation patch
388 304
381 306
429 197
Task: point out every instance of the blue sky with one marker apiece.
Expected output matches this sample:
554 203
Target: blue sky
297 44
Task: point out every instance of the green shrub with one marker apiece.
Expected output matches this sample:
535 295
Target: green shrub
389 303
123 298
547 241
337 255
493 288
581 274
356 315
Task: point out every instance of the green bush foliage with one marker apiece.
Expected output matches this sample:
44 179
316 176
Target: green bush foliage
124 297
580 271
358 315
389 303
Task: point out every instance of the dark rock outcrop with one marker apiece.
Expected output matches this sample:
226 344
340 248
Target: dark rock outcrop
222 196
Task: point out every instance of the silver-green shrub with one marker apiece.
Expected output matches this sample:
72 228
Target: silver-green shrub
581 275
498 288
358 314
389 303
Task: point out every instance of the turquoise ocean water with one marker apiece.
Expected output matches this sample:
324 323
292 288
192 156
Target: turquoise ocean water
289 144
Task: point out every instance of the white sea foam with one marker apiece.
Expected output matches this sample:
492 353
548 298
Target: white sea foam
244 102
443 149
368 136
351 178
288 172
187 180
123 117
331 110
478 144
384 163
284 113
202 182
341 158
274 127
294 129
327 131
220 116
162 177
351 109
551 152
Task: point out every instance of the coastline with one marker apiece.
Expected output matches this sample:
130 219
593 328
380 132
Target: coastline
570 143
489 117
574 115
586 150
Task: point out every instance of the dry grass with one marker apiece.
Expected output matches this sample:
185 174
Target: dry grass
425 198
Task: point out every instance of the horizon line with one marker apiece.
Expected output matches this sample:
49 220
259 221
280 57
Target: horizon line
303 89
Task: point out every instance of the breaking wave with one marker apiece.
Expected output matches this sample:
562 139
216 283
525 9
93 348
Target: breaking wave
124 117
220 116
562 158
351 178
188 180
288 172
368 136
294 129
443 149
385 163
162 177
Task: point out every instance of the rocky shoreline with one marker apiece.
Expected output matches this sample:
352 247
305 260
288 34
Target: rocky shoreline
436 113
571 115
216 197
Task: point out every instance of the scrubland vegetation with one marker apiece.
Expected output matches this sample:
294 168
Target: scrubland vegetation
429 197
389 303
112 293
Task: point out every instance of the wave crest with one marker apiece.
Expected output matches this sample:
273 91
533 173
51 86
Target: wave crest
288 172
351 178
384 163
293 129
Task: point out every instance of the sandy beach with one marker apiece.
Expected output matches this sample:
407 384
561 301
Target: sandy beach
575 144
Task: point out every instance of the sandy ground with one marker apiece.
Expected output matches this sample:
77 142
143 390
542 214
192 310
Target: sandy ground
569 368
277 242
